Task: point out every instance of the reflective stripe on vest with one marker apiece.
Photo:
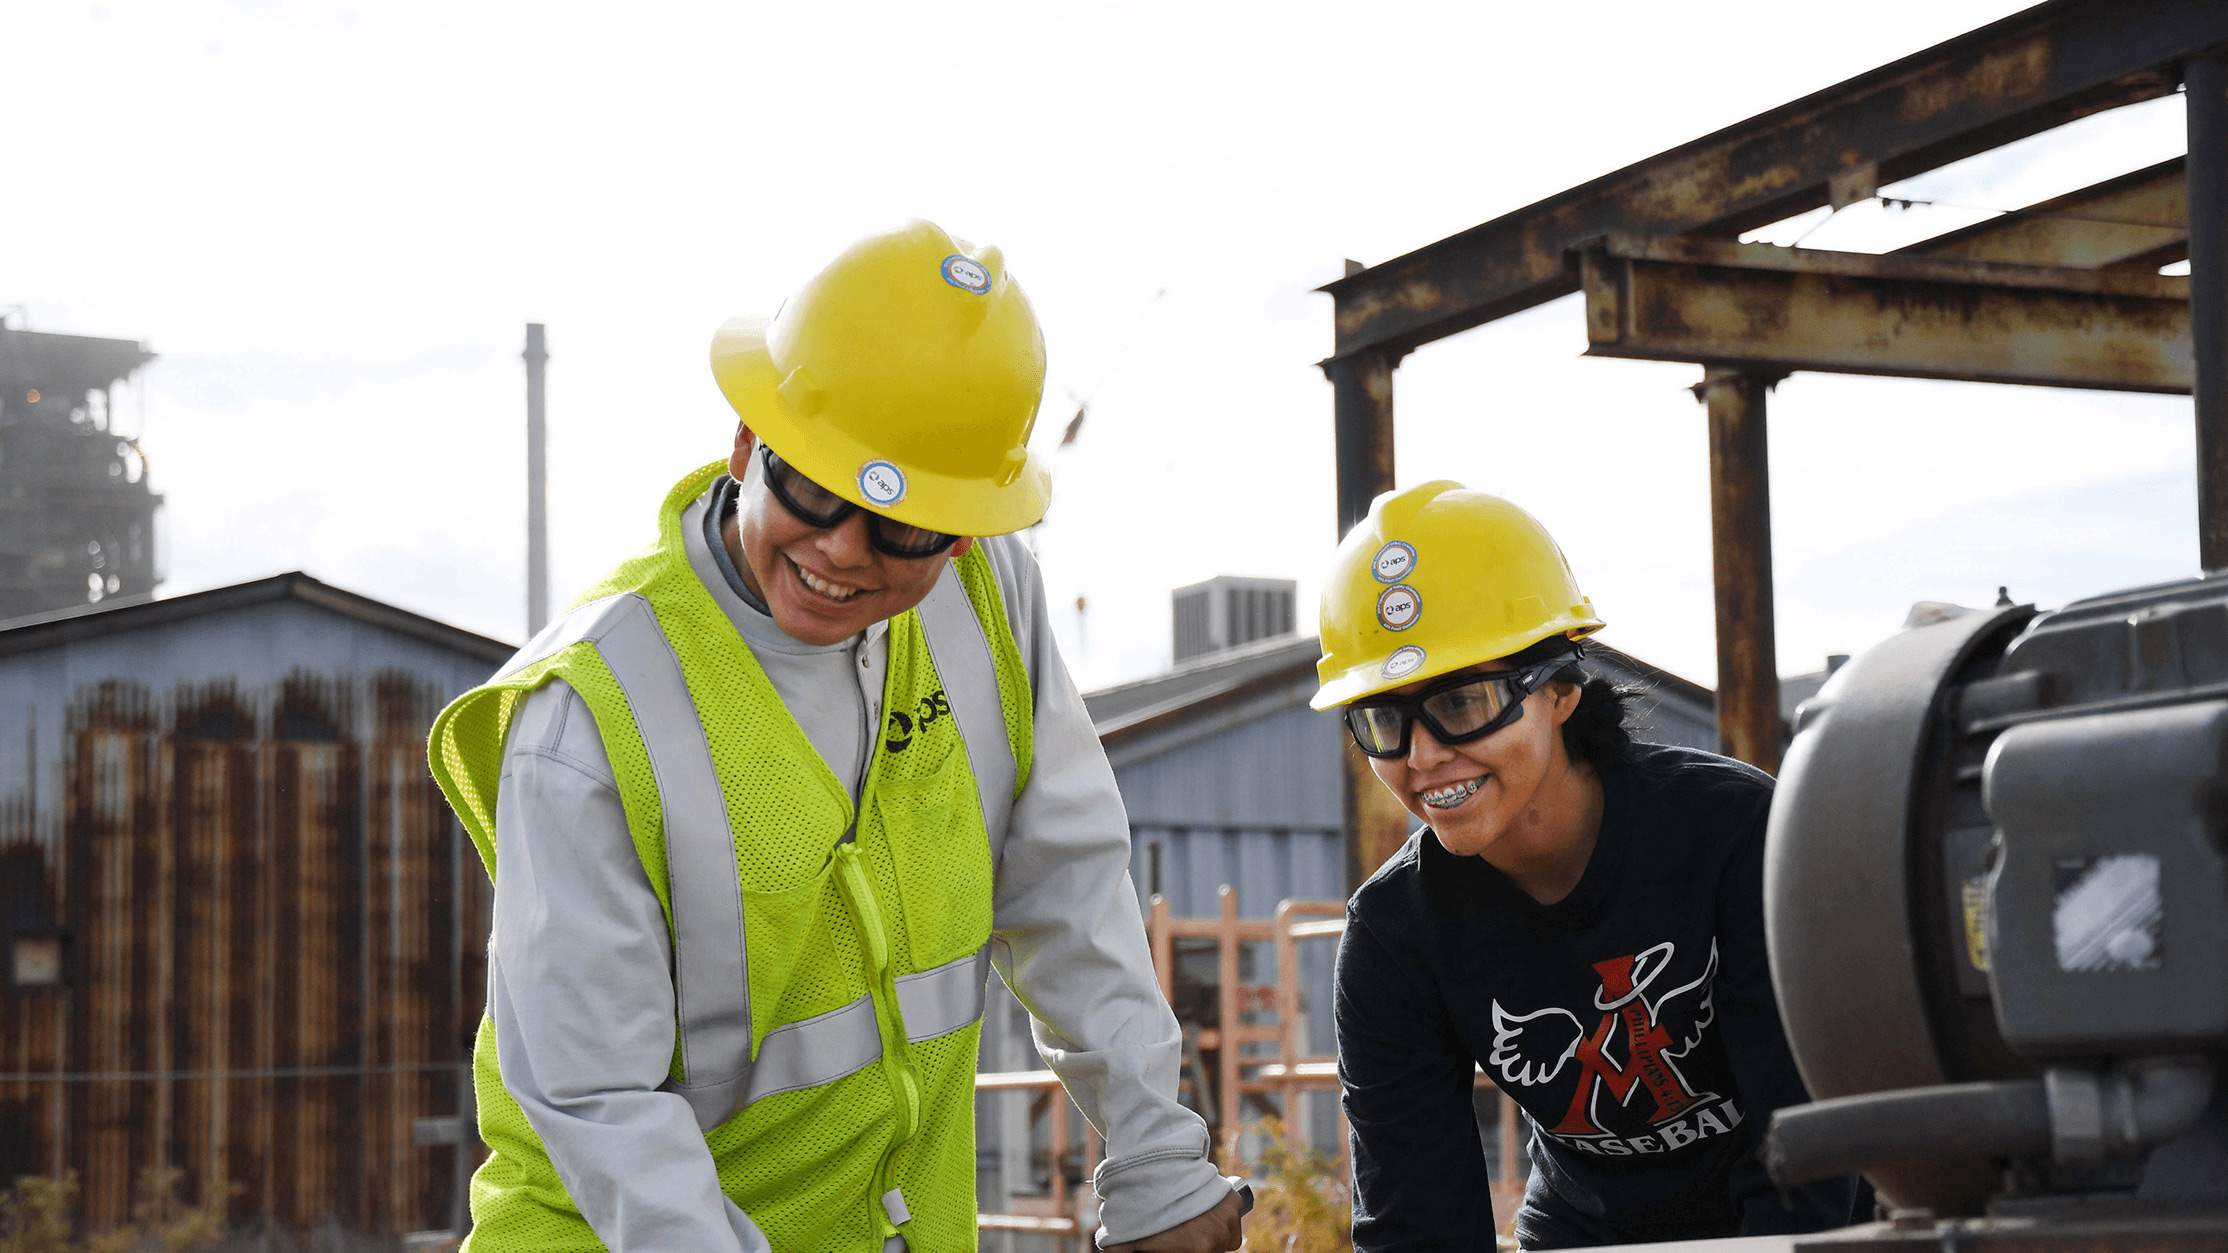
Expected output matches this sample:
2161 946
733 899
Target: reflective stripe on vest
961 653
825 1048
711 976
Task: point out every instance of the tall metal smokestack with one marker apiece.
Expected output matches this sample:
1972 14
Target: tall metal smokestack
537 484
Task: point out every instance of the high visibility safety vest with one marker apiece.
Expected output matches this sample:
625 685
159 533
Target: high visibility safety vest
829 963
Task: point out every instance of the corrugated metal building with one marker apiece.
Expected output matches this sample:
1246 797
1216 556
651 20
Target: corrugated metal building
245 936
1230 778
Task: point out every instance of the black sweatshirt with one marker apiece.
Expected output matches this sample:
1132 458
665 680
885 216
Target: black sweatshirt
1633 1021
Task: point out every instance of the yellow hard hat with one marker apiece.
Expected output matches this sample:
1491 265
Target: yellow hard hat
1435 579
904 377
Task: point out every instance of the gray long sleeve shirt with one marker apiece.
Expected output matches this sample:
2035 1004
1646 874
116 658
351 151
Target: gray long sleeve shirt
579 969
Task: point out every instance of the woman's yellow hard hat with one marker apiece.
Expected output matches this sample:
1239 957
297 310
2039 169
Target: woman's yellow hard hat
905 378
1435 579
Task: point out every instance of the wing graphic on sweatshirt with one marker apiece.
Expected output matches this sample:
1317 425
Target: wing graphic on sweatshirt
1530 1049
1687 1010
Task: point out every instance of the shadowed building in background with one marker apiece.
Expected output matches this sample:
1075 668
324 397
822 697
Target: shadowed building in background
77 517
243 934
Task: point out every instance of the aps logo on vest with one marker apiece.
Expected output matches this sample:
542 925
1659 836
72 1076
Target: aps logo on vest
904 725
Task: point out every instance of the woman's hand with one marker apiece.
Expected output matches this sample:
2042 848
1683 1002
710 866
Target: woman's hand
1219 1230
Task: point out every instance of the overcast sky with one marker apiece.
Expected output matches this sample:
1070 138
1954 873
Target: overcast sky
332 221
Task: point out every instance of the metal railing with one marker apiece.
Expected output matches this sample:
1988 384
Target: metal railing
1058 1213
1287 1074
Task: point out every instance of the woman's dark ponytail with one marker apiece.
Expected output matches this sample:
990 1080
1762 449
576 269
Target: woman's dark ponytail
1596 731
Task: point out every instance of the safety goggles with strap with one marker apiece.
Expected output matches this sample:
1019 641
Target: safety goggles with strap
1457 709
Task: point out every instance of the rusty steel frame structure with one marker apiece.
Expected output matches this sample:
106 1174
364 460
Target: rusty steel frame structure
1773 310
2061 293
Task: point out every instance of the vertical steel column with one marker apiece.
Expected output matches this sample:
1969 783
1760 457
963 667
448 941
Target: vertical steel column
1362 431
1748 724
2206 80
1362 390
537 484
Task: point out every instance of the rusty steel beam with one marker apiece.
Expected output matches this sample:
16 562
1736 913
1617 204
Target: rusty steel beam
2135 220
2207 81
1748 725
2025 74
1782 309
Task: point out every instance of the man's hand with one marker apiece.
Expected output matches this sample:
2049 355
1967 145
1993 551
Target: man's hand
1219 1230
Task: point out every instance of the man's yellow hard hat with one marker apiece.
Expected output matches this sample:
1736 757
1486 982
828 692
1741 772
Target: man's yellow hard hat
1435 579
905 378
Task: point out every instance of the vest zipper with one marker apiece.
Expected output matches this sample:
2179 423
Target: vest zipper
897 1060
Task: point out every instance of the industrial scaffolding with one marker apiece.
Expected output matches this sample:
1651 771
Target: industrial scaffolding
77 514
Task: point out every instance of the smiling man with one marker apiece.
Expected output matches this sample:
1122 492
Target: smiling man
766 805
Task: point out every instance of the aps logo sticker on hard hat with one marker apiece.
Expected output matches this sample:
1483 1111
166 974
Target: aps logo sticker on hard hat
1398 607
1393 562
1405 660
882 483
967 274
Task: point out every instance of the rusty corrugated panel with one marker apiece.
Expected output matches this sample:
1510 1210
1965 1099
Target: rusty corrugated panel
275 945
108 788
31 1019
317 892
410 934
213 822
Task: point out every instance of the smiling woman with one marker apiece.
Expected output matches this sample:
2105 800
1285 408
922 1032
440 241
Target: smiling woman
1579 914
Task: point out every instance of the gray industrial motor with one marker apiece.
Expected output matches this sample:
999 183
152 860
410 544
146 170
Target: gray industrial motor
1996 889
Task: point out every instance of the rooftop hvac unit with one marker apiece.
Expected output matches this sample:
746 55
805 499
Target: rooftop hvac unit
1227 611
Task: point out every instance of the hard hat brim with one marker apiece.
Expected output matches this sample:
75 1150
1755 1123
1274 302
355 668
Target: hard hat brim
1369 679
830 457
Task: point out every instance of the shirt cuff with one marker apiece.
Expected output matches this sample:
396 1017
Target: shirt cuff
1149 1192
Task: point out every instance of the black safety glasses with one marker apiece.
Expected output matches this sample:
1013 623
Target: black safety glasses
822 508
1457 709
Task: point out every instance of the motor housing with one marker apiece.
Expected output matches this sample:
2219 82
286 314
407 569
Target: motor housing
1996 879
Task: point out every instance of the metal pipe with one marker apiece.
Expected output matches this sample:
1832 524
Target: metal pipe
1847 1134
1748 724
2206 80
537 483
2076 1116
